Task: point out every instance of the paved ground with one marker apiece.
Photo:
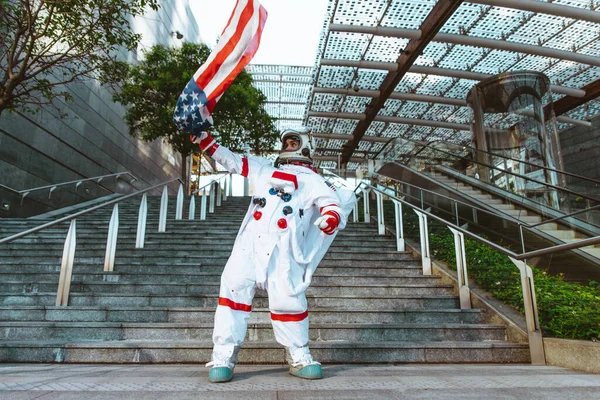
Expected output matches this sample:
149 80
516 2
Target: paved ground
182 382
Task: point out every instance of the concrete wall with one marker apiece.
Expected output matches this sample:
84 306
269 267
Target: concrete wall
581 150
93 140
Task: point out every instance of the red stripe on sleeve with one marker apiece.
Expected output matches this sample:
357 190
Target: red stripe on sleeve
204 143
289 317
245 167
233 305
328 205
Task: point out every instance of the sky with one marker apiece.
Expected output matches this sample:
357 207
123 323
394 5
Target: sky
291 34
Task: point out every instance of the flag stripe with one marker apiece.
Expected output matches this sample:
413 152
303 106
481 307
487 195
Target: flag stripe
225 37
249 53
233 58
230 18
225 51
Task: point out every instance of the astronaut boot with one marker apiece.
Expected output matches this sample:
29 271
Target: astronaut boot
303 366
222 366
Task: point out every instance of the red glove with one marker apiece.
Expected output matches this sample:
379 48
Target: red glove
328 222
205 142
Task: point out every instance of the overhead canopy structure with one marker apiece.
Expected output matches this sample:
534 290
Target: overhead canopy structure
403 68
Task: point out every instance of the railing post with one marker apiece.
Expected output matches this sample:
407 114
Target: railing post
536 343
424 236
203 205
380 216
225 187
66 267
355 212
367 211
464 292
211 204
179 207
164 203
192 210
218 189
399 226
230 185
111 242
141 228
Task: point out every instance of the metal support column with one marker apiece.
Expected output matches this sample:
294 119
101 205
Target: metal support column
400 246
380 216
464 292
111 242
424 236
66 267
141 227
536 343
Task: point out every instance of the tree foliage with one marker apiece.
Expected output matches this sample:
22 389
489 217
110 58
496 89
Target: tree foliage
45 44
152 87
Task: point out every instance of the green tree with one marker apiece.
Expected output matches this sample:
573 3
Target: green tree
152 87
45 44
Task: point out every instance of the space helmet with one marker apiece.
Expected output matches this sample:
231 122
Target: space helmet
304 151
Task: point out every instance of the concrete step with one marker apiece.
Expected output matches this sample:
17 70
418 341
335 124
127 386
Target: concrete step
204 264
258 315
320 286
182 244
185 331
199 352
203 300
151 256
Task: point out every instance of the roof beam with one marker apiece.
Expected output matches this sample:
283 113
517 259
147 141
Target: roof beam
438 100
544 8
333 136
394 96
436 19
450 73
472 41
566 104
393 120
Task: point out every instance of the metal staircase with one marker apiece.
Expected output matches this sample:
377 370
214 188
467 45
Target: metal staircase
368 303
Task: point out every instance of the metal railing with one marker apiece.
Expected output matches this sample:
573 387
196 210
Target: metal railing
459 232
66 269
77 183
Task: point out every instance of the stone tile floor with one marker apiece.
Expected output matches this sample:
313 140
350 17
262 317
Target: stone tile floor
372 382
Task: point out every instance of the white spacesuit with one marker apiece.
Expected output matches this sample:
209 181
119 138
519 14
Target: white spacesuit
289 225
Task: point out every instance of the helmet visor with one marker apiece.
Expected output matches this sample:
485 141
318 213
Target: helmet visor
291 143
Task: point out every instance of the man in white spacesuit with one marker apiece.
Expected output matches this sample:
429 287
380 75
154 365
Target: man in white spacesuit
290 223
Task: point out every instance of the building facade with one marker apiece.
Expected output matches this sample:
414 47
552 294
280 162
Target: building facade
93 139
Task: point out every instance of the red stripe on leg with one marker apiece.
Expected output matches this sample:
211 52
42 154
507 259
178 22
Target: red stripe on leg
233 305
289 317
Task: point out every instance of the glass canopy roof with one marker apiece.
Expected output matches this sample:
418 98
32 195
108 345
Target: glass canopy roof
352 63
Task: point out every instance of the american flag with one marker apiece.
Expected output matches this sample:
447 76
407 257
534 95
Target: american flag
236 47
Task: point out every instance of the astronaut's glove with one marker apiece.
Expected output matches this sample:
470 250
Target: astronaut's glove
205 142
328 222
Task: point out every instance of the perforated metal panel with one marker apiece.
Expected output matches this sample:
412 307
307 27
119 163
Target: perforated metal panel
473 20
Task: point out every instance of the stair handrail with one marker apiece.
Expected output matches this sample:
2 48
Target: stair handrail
24 193
66 270
520 260
497 212
84 212
546 184
431 143
214 189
